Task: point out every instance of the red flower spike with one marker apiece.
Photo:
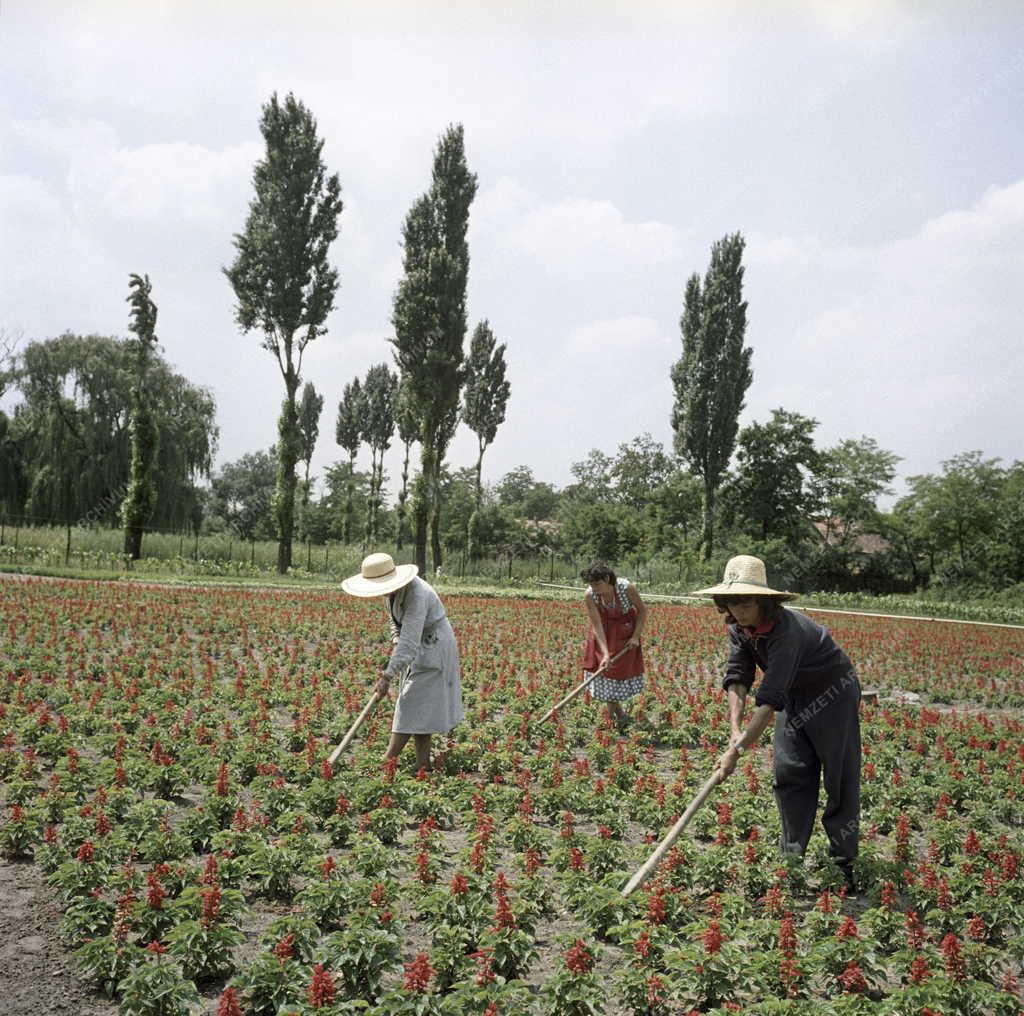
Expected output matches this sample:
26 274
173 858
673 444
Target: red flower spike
418 973
578 959
712 938
321 989
228 1004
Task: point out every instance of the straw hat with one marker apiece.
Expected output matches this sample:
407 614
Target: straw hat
379 576
744 576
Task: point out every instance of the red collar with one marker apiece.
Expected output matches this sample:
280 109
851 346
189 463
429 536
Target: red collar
762 629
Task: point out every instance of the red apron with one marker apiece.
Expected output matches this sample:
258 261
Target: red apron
618 625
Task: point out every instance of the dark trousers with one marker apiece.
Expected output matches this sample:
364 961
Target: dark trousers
817 736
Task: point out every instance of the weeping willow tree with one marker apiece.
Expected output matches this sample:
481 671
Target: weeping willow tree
69 433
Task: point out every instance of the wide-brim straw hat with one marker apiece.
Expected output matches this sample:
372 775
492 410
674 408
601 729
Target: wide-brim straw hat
379 576
744 576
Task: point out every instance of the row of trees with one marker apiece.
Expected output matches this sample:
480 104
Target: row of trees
106 432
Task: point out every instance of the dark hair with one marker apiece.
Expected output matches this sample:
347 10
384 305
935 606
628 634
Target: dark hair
771 606
598 571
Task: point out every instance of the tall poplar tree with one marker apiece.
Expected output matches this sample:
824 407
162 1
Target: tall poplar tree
348 433
310 408
379 391
713 374
140 497
430 322
282 280
483 404
408 434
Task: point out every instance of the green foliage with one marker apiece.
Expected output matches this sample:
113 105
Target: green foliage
380 390
140 497
73 455
283 283
713 374
430 319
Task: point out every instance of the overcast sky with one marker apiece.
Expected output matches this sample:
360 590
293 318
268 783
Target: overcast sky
871 153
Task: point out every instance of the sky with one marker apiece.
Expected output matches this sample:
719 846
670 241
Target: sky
870 153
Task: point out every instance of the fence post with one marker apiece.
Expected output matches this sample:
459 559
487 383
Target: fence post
327 551
195 552
67 547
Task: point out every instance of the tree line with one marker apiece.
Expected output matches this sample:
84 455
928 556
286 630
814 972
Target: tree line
106 422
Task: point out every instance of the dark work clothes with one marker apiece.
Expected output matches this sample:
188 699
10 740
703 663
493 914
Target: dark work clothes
797 656
813 736
813 687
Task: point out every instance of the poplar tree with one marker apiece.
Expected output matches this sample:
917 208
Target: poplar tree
483 405
140 497
430 322
408 434
282 280
348 433
713 374
310 408
379 392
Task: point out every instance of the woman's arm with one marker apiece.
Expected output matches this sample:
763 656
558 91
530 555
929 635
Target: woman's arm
595 623
763 716
737 703
413 618
641 614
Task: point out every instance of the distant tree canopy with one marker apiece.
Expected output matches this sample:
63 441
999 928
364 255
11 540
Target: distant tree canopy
68 443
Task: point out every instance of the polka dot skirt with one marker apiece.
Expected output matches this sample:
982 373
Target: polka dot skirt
604 689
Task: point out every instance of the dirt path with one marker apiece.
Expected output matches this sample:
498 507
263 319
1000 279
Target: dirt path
38 974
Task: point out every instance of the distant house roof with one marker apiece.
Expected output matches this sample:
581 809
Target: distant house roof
867 543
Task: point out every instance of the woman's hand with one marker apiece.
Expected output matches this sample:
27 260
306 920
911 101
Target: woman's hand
634 642
605 656
728 760
382 686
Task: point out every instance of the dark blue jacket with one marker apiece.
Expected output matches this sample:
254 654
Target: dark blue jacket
798 658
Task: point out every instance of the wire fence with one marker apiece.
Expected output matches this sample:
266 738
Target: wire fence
32 541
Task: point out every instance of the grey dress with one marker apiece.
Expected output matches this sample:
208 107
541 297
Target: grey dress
430 697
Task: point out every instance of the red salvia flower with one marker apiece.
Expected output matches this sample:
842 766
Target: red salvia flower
85 852
642 946
157 948
954 962
485 972
712 938
328 867
418 973
459 885
156 894
852 979
285 949
321 988
848 929
341 806
326 771
578 959
576 859
976 929
209 875
915 930
532 861
222 789
972 845
656 906
211 905
888 895
503 916
919 972
787 935
227 1004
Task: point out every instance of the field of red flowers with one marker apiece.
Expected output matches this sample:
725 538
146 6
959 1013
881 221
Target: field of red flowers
163 766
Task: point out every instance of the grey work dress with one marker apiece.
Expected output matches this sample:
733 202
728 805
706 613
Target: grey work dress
430 697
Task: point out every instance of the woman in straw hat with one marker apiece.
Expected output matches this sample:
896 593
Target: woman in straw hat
430 697
809 690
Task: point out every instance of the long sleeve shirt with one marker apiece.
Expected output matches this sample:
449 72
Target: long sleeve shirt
415 610
797 657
